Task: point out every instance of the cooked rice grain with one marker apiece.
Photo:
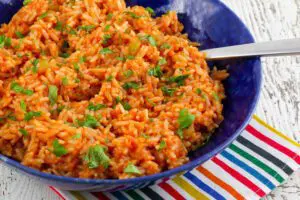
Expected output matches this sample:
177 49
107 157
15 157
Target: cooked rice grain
88 51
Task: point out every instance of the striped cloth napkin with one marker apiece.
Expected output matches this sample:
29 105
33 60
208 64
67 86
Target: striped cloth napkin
251 167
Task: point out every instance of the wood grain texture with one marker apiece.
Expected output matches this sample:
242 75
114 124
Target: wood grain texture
279 102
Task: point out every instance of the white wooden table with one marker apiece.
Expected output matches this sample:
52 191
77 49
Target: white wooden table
279 102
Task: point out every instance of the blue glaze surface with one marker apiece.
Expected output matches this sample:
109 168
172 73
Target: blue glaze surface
212 24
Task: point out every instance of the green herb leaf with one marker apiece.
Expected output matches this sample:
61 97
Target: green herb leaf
162 61
107 27
86 28
23 132
96 156
126 105
89 121
5 41
35 63
29 115
168 91
95 107
151 40
19 34
19 89
216 97
58 149
110 78
198 91
162 145
42 16
133 15
118 100
131 85
59 26
128 73
109 16
179 79
76 136
145 136
132 169
52 94
129 57
165 46
82 59
77 80
185 120
64 55
151 11
156 72
106 38
26 2
76 67
105 51
121 58
65 81
23 105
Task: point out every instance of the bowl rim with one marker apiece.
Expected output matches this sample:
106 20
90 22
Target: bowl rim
186 167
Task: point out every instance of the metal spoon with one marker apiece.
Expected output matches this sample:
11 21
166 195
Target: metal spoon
272 48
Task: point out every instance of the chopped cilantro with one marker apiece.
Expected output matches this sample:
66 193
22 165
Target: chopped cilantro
82 59
126 105
162 61
110 78
131 85
42 16
168 91
77 80
65 81
151 11
165 46
35 63
95 107
106 38
26 2
151 40
52 94
145 136
76 67
58 149
179 79
118 100
86 28
162 145
156 72
23 131
19 34
64 55
23 105
132 169
89 121
129 57
29 115
19 89
216 96
96 156
107 27
185 120
128 73
109 16
133 15
105 51
59 26
76 136
121 58
198 91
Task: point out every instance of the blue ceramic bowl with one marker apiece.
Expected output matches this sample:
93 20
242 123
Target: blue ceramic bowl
212 24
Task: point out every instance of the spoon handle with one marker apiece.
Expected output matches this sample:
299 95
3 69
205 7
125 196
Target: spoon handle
272 48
